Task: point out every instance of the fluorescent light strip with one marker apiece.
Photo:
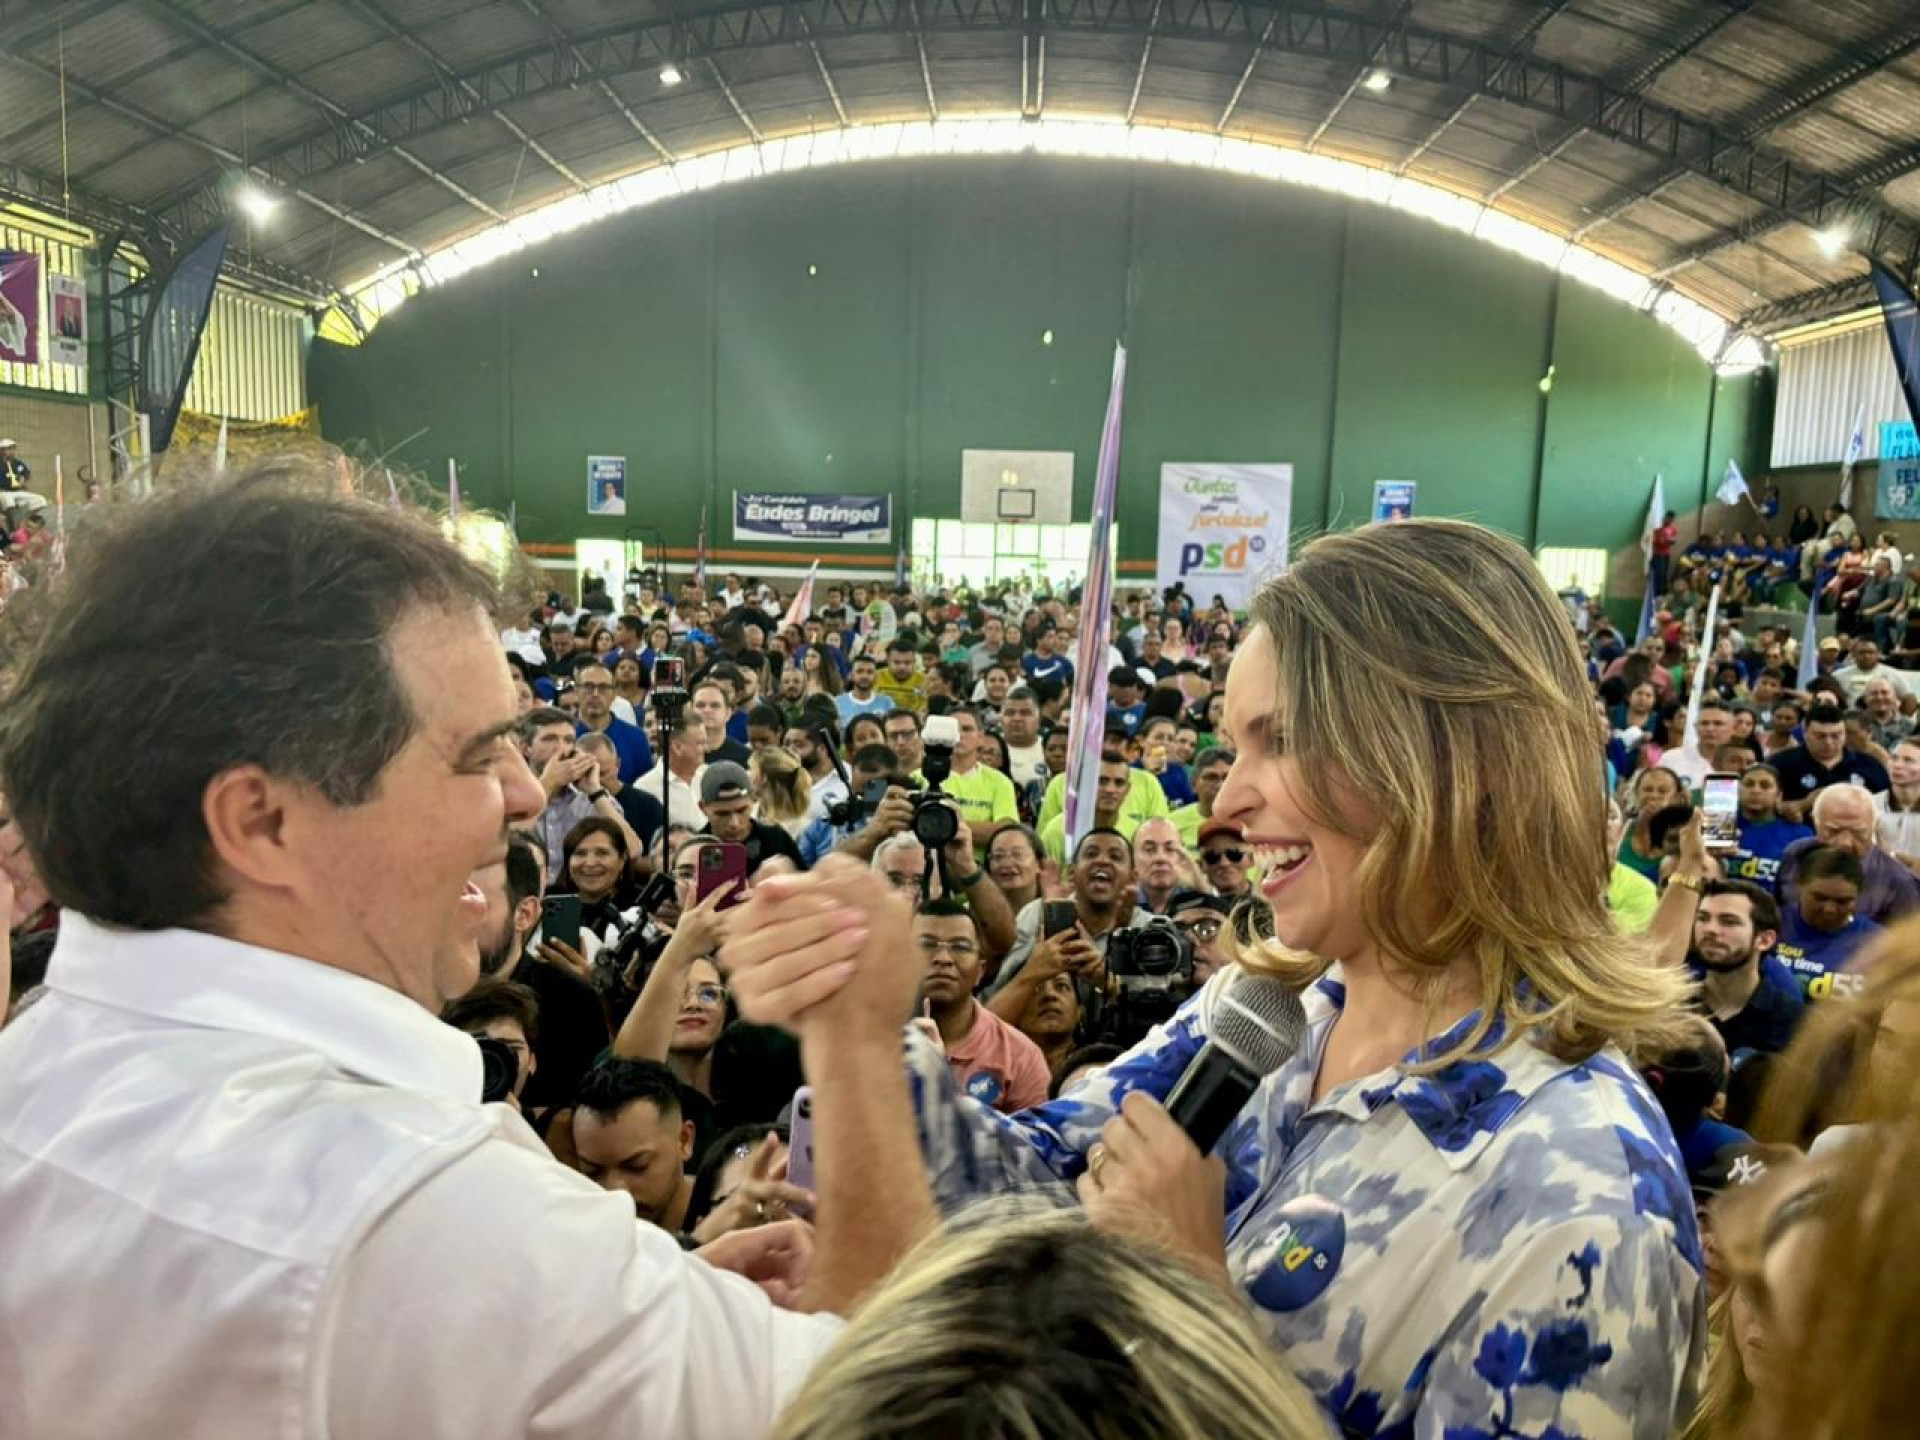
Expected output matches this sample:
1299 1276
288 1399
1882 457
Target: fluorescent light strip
1083 137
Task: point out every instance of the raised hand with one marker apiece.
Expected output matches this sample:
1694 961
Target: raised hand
823 951
760 1199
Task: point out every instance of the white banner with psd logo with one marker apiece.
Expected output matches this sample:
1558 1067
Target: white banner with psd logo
1223 528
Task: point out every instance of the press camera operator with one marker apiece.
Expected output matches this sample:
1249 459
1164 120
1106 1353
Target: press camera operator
893 807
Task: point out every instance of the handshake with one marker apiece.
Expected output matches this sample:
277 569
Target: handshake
826 952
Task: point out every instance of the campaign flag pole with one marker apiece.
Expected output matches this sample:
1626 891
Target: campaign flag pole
1856 447
220 449
453 490
1810 643
1656 512
802 605
513 519
59 515
700 557
393 490
1086 730
1707 637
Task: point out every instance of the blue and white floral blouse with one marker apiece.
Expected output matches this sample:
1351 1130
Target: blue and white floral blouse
1505 1248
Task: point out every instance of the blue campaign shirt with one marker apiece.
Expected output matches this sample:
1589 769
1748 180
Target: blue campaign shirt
630 742
1817 958
1128 715
1757 856
1505 1247
1175 784
1057 669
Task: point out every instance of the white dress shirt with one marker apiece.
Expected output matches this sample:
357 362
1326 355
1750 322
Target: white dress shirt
247 1195
683 797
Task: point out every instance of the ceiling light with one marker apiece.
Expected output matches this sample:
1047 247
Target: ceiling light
1832 241
257 203
670 74
1378 81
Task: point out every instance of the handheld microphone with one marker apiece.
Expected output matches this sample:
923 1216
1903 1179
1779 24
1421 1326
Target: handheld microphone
1256 1028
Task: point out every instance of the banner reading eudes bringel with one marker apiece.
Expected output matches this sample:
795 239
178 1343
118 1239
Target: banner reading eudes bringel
829 519
1223 528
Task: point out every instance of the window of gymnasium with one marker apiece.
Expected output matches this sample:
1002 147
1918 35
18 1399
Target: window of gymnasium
957 550
1573 571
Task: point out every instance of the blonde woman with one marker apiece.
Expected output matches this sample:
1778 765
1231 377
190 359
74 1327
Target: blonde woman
782 790
1457 1208
1820 1331
1133 1343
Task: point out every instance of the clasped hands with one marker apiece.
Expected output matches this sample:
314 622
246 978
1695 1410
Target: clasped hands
829 955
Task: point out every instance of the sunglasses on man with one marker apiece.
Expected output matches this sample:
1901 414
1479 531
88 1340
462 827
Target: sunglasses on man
1227 854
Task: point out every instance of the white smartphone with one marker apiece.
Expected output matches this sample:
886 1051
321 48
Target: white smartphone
800 1139
1720 811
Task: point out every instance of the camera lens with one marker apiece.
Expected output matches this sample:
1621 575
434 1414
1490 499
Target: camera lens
499 1068
934 824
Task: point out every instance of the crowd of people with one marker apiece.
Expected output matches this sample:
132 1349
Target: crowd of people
1571 1133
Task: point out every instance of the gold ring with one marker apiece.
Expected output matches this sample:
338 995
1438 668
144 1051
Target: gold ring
1095 1161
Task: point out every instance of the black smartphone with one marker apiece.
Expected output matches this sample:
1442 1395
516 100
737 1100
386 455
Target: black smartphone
560 920
1057 917
656 892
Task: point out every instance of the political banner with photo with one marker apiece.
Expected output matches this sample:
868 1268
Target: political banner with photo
67 337
19 307
1223 528
606 484
1897 491
1393 500
822 519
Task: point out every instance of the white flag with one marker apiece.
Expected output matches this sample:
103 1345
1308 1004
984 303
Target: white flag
1708 635
1656 514
1856 447
1733 486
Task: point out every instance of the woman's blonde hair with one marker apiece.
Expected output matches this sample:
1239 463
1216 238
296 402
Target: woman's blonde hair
1855 1337
782 784
1427 668
1031 1324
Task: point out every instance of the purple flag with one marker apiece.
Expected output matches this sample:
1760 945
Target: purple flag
453 491
1087 724
393 492
700 557
19 307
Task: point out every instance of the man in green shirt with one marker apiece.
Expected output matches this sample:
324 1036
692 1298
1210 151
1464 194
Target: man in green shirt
984 796
1145 799
1114 804
1209 774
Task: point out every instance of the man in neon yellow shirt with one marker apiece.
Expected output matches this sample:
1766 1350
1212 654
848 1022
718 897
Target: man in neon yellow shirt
1145 799
984 796
1114 799
1209 774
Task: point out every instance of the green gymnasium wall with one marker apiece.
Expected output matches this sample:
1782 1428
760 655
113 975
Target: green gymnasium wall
856 329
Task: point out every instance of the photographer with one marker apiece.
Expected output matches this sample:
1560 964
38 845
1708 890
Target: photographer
508 1016
841 820
935 820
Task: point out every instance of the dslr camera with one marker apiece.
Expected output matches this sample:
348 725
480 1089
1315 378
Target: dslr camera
499 1068
1149 974
669 690
935 821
